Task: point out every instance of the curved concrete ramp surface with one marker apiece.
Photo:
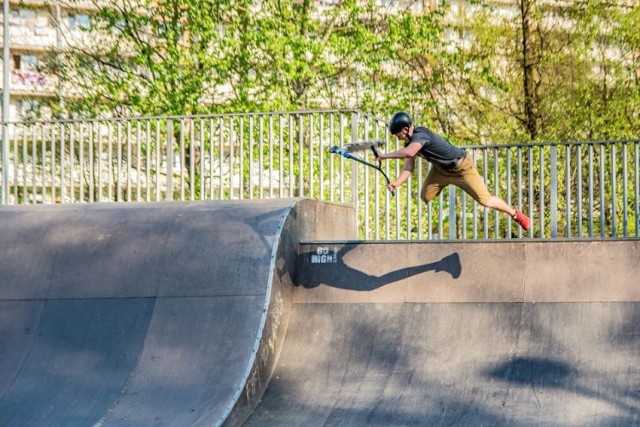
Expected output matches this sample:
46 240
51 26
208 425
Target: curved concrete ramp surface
514 333
500 364
175 314
166 314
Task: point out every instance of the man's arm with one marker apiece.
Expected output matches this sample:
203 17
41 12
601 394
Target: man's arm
408 152
404 175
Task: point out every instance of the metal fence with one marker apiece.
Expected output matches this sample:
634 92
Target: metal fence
575 190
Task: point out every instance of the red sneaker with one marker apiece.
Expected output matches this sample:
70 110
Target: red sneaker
521 219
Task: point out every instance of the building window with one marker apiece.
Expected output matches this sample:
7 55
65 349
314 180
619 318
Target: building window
25 14
79 21
27 109
17 113
25 62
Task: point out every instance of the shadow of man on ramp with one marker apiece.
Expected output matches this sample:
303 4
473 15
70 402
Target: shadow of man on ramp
336 273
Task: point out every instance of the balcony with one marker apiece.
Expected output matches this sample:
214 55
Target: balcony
33 33
32 83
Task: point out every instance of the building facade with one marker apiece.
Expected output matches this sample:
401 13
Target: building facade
38 28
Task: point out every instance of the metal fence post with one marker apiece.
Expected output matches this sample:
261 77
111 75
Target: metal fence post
6 79
300 156
554 192
614 218
5 162
354 165
169 159
452 212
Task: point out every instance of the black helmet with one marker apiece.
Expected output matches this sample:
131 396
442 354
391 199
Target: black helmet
398 122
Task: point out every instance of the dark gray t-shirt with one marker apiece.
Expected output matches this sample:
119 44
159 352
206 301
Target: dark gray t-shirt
436 149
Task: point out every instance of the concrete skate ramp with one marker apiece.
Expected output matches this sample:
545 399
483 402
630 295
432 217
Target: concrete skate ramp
174 314
518 333
155 314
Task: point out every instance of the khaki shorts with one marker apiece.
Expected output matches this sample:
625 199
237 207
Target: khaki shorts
464 176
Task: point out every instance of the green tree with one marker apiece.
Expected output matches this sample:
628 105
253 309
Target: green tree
308 56
555 71
600 99
148 57
548 70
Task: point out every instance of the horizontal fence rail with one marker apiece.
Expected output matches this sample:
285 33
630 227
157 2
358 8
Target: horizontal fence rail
569 190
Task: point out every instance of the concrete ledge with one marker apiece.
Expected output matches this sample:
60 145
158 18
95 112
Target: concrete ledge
509 271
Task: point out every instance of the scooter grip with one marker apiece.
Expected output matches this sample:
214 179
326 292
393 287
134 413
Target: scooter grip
336 150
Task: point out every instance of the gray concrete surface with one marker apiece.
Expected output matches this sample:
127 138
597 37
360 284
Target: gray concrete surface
457 364
499 271
512 333
214 313
153 314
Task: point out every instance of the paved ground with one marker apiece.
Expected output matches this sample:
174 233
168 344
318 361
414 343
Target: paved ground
466 364
175 314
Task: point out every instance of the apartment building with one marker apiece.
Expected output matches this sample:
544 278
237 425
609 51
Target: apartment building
38 28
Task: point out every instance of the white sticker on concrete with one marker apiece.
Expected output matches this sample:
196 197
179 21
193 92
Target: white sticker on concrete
324 255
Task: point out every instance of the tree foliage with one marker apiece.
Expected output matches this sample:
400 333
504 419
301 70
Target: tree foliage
560 71
544 71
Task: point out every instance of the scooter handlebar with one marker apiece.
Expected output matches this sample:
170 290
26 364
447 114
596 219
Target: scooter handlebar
375 151
337 150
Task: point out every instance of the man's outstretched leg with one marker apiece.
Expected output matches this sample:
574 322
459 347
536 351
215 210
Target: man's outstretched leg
500 205
466 177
